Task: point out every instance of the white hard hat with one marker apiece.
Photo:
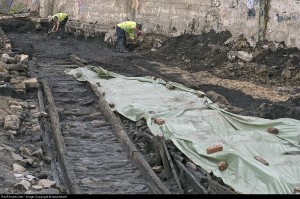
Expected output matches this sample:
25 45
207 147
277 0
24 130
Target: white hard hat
49 18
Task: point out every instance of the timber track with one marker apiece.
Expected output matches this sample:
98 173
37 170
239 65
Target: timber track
89 149
89 146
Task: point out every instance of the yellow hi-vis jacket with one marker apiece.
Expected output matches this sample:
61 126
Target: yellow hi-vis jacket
128 26
60 16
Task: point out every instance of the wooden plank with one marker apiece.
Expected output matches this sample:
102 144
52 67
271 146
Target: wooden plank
173 168
77 60
46 138
263 19
219 189
164 158
68 170
191 178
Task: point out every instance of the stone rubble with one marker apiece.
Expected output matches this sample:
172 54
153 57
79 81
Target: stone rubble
21 119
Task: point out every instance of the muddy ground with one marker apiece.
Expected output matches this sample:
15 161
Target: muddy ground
261 86
265 84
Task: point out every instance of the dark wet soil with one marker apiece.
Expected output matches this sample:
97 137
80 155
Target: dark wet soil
206 52
238 98
197 50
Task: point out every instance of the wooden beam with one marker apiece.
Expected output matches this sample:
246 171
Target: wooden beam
46 138
199 189
263 19
173 168
68 170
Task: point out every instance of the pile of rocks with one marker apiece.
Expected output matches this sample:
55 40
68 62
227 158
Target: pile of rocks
25 160
14 68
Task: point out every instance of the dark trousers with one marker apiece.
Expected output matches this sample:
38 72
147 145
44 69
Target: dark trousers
121 38
62 27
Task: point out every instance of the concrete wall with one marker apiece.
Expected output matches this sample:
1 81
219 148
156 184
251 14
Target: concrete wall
284 22
193 16
106 12
171 17
14 5
175 17
5 5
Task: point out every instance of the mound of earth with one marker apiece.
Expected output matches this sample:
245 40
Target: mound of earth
237 58
269 64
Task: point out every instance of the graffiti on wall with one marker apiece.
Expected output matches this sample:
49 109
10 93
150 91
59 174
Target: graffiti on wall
251 10
284 18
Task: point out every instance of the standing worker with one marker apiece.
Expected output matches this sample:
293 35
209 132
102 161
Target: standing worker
59 21
130 27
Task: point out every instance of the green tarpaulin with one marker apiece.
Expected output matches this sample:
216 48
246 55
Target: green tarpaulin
194 124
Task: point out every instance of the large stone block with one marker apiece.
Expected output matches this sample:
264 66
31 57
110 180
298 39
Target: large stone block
8 59
21 15
42 20
46 183
18 168
20 87
12 122
7 47
31 83
23 59
23 185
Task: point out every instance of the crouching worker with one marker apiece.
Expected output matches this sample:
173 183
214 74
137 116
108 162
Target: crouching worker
130 27
59 21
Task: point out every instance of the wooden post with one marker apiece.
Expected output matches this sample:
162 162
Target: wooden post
190 178
163 157
173 168
46 138
158 161
263 19
68 170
